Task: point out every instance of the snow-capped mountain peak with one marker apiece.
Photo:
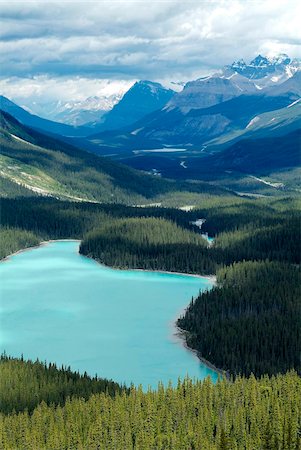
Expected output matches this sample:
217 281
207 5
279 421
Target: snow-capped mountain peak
280 59
152 87
240 64
79 112
260 61
265 70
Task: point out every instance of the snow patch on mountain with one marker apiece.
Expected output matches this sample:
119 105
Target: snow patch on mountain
135 132
294 103
253 121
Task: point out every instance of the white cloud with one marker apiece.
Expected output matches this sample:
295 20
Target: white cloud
127 40
38 94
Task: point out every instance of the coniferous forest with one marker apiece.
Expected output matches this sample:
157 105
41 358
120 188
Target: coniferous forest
251 321
244 413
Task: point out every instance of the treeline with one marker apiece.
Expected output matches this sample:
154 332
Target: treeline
53 218
243 414
277 242
251 321
14 239
224 214
25 384
152 243
148 243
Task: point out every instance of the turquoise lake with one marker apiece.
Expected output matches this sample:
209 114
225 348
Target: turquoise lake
59 306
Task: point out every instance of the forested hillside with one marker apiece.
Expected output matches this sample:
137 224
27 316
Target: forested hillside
14 239
53 219
244 413
251 321
53 168
25 384
245 230
148 244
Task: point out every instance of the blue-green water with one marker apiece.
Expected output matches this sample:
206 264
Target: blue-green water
62 307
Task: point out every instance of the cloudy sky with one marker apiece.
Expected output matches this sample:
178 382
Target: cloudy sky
71 50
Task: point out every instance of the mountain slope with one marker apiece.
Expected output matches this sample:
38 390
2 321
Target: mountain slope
268 124
65 171
170 127
291 86
206 92
39 123
51 167
141 99
258 155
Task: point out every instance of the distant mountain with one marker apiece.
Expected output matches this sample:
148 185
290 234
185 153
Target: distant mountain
194 130
261 67
237 79
39 123
208 91
141 99
87 112
276 69
210 107
244 101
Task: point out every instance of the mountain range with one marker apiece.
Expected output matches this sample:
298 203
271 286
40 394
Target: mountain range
84 118
203 128
267 70
181 124
40 123
86 112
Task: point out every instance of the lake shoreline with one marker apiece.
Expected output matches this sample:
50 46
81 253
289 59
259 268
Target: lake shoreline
179 333
182 334
210 277
41 244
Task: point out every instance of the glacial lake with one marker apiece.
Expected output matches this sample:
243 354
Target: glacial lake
59 306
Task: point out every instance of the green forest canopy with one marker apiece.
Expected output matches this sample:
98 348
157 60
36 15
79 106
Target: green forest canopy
246 413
